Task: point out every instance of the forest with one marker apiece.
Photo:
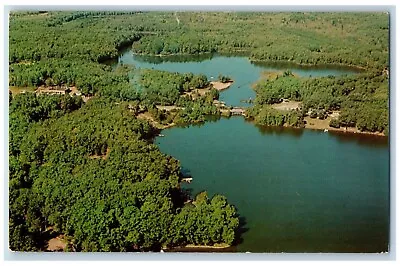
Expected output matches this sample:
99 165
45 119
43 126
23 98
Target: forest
165 88
358 39
89 171
362 100
92 173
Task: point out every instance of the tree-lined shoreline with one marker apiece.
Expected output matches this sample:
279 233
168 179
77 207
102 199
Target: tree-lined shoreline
90 171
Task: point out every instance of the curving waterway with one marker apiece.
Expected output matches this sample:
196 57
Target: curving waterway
297 190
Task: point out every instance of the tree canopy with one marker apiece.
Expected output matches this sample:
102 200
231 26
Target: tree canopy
94 175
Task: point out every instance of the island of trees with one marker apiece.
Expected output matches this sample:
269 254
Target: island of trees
88 170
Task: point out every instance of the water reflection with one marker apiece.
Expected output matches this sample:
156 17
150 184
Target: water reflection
362 139
275 130
202 249
176 58
293 66
186 172
173 58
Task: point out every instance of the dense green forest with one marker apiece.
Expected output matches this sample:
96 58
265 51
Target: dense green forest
89 170
166 88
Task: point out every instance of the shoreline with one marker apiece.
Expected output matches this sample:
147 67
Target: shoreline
350 130
220 86
308 65
343 130
322 125
171 55
253 60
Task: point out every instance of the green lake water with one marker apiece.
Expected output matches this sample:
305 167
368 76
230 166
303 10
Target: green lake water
297 190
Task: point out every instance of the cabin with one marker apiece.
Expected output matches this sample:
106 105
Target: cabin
237 111
51 92
219 103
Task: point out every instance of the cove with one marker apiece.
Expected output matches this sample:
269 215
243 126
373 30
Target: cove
297 190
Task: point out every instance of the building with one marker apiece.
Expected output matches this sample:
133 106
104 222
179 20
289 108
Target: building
237 111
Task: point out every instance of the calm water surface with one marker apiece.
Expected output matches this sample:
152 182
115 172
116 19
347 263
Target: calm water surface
298 190
240 69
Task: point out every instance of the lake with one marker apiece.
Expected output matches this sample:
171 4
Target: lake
240 69
297 190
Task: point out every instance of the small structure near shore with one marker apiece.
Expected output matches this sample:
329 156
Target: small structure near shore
59 90
238 111
219 103
187 179
287 105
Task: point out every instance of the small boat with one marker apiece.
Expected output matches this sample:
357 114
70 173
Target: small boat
161 135
187 179
325 130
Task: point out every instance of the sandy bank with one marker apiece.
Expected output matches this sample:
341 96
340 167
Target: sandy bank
221 85
289 64
56 244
